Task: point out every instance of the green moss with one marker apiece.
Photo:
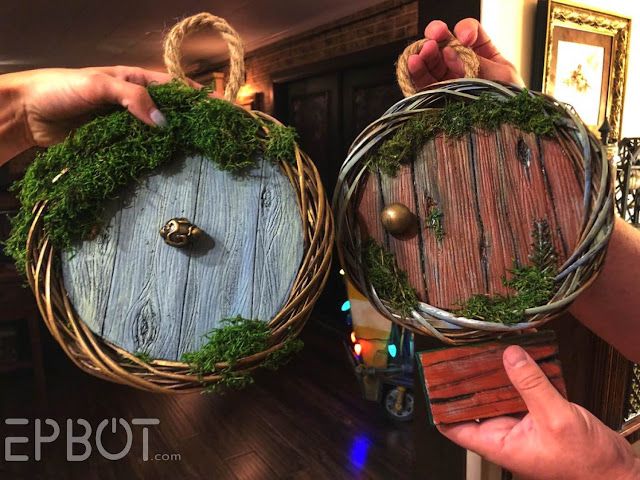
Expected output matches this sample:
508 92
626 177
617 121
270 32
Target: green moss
391 283
281 142
144 356
524 111
401 146
114 150
236 339
434 222
532 285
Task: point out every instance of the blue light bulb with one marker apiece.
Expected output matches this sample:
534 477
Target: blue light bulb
393 350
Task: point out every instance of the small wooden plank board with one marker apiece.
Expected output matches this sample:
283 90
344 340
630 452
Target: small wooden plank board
470 382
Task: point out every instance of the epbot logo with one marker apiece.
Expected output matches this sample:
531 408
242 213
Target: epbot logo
78 434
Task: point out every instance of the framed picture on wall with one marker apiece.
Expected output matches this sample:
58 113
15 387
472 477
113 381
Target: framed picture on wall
582 54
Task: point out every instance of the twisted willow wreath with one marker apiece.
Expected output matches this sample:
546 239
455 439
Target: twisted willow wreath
368 152
106 360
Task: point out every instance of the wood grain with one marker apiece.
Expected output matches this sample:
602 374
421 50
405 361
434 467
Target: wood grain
445 180
368 208
400 189
221 278
279 249
86 275
566 190
526 182
490 187
468 383
146 293
145 296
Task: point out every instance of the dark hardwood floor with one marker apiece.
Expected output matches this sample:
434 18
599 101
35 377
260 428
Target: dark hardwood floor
306 421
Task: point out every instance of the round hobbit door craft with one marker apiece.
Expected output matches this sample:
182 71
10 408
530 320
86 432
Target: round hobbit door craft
178 258
473 207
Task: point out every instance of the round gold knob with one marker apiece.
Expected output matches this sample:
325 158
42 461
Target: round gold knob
397 219
179 232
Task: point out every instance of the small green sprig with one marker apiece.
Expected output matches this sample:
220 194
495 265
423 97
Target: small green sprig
435 222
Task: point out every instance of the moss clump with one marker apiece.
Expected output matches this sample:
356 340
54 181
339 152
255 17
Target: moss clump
144 356
524 111
434 222
236 339
391 283
533 285
114 150
280 143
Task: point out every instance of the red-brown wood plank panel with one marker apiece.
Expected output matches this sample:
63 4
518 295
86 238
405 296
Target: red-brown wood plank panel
399 189
490 187
466 383
530 198
453 266
494 403
368 208
473 382
466 365
544 205
566 187
495 199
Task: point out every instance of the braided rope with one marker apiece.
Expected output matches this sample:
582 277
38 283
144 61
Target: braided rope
469 59
173 53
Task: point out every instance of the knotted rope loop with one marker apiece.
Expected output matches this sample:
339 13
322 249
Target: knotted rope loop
173 53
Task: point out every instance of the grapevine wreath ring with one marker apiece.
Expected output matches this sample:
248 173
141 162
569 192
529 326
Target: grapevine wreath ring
106 360
575 275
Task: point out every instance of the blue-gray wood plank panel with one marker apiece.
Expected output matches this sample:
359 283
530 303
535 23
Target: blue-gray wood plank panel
146 296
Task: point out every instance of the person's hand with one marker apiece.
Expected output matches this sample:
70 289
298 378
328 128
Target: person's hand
437 62
41 107
556 440
55 100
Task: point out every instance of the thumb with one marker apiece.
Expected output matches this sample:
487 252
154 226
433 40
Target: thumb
542 399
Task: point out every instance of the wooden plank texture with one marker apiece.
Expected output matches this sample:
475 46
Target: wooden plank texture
490 188
146 296
399 189
368 208
469 382
146 291
445 180
87 274
279 247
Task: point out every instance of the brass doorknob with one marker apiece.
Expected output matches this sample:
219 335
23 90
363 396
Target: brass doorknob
397 219
179 232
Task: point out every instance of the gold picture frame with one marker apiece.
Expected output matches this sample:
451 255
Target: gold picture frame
585 61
